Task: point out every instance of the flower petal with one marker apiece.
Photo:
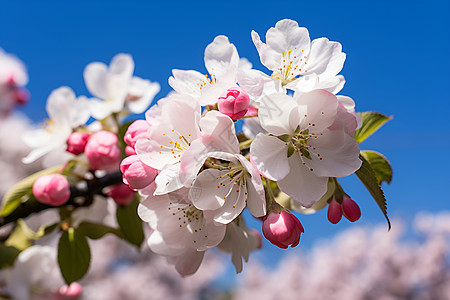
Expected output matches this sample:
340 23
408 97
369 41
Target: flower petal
326 58
122 65
168 180
144 91
257 83
189 262
303 185
278 114
269 57
206 193
287 35
99 109
319 108
59 105
270 156
256 198
339 152
218 132
220 55
95 75
187 82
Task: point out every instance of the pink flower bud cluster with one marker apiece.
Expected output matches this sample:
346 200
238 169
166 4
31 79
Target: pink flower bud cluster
282 229
136 174
348 209
52 189
101 148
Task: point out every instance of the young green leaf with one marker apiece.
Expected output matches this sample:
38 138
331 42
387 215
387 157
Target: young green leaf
42 231
22 191
18 239
95 231
380 165
74 255
371 122
367 177
130 223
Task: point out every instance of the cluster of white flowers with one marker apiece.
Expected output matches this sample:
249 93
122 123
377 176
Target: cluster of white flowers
207 174
116 91
187 171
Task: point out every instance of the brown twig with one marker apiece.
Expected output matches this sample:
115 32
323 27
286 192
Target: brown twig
92 188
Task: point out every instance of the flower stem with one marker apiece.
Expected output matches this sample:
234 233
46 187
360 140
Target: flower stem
245 143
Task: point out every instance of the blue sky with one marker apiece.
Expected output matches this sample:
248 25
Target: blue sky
397 63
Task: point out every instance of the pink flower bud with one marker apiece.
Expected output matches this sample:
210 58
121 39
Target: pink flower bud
334 211
21 96
71 292
102 151
234 103
121 194
77 142
52 189
351 210
135 131
129 151
137 174
282 229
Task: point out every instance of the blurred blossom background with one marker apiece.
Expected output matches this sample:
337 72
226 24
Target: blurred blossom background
397 64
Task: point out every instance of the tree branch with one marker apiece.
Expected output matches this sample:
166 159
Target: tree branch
88 191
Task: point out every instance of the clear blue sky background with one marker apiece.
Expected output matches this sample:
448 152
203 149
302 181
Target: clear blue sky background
397 63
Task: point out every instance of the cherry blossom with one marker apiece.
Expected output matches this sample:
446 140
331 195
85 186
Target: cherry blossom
232 182
115 86
296 62
301 151
66 112
175 127
222 62
178 227
240 241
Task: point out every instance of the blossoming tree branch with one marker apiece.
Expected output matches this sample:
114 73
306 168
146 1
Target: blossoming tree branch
185 171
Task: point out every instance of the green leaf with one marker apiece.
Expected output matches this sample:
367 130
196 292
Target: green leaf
367 177
380 165
122 130
74 255
22 191
95 231
9 254
130 223
42 231
371 122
